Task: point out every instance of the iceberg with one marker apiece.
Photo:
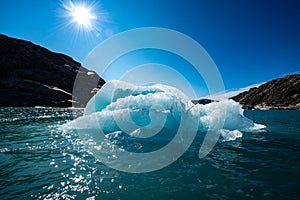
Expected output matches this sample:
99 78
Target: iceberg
142 111
144 128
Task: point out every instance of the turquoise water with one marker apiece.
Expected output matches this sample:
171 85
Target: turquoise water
40 161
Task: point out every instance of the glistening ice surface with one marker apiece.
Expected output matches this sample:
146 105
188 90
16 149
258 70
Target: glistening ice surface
137 110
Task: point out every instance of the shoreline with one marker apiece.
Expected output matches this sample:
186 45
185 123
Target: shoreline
259 107
243 107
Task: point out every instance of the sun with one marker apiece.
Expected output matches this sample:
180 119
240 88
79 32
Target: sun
81 14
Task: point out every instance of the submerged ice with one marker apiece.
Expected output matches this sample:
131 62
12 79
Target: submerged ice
142 111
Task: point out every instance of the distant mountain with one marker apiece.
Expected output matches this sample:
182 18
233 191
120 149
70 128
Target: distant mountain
281 93
31 75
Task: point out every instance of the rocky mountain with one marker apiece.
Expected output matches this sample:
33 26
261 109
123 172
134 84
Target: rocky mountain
31 75
281 93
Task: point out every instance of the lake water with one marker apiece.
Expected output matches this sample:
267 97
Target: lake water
40 161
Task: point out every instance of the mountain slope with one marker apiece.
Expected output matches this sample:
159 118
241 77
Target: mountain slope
281 93
31 75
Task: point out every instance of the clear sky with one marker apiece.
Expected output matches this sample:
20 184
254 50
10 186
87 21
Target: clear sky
250 41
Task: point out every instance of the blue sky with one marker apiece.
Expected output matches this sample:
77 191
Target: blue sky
250 41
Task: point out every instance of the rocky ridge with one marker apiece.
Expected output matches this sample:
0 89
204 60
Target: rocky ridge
31 75
281 93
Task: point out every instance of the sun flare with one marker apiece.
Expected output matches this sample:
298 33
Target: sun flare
81 14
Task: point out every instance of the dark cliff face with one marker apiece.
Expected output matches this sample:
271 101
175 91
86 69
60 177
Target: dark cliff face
281 93
31 75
